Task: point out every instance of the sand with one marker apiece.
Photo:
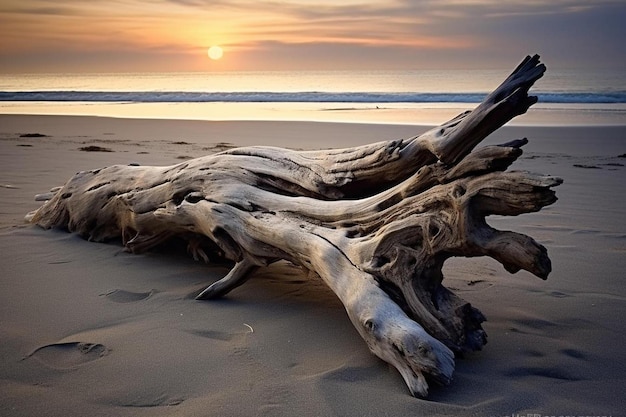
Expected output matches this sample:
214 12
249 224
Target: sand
89 330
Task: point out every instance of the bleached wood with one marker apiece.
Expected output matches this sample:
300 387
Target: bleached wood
375 222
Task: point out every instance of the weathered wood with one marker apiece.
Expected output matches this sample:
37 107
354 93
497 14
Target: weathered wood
375 222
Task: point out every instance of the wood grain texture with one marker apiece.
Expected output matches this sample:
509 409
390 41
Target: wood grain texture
375 222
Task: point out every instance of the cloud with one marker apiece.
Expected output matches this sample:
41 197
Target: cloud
335 33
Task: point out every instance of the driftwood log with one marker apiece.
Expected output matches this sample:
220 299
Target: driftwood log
375 222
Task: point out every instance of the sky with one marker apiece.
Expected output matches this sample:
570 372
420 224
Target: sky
49 36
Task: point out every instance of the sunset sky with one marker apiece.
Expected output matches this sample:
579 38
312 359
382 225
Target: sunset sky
174 35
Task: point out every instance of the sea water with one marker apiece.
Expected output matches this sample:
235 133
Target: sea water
411 97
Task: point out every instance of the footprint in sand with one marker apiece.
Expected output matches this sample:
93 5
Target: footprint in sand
123 296
68 355
350 373
212 334
552 372
224 336
237 340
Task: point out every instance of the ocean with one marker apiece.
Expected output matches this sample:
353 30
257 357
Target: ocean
406 97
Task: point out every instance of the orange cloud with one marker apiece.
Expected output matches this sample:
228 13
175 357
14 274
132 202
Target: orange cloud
138 35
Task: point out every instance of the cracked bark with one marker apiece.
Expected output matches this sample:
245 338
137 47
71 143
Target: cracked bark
375 222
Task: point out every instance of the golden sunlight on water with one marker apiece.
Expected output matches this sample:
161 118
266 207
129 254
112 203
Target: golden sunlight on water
391 113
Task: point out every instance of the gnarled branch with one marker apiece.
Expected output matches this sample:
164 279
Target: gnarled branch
375 222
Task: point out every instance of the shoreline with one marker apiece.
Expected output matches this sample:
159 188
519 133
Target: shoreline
555 347
433 114
15 121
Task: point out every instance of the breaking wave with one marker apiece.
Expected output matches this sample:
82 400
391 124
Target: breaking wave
293 97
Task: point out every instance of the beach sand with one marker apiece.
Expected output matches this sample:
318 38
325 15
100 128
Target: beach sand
89 330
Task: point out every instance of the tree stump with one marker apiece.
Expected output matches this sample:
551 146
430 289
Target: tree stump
375 222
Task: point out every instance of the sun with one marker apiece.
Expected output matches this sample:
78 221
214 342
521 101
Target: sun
215 52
